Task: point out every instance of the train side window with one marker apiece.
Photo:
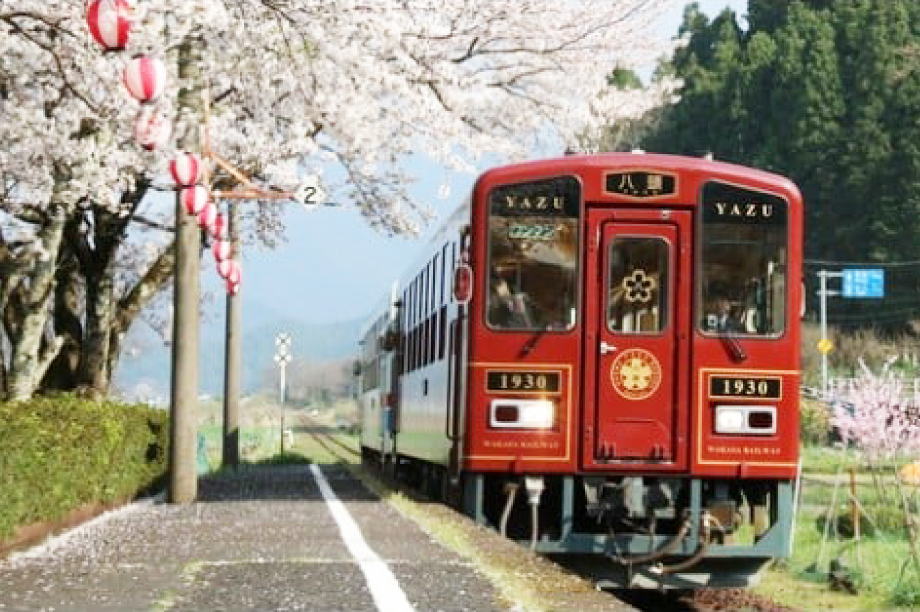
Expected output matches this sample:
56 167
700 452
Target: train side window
442 333
404 328
443 272
743 262
423 343
434 284
637 285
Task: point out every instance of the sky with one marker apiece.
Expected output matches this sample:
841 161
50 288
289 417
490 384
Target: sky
334 267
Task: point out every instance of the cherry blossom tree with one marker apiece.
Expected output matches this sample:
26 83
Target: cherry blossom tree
880 416
344 89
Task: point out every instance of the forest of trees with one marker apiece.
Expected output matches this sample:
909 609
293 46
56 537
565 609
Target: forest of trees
826 92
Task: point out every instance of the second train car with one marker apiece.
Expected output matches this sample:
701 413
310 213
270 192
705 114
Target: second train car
599 355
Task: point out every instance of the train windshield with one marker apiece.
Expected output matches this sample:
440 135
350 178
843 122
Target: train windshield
744 248
533 255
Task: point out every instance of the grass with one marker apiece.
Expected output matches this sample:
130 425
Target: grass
875 564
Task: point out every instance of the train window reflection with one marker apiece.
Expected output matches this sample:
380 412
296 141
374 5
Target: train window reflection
533 255
744 258
637 285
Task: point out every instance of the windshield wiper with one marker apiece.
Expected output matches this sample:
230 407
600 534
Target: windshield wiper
532 341
730 341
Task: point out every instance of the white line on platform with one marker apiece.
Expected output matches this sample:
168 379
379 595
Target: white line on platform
385 590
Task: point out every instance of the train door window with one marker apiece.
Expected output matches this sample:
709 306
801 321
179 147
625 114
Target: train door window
637 289
743 262
533 248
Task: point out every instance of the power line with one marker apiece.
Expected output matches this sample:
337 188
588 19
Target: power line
874 264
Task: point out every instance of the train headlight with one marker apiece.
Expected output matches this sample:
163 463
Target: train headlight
522 414
745 420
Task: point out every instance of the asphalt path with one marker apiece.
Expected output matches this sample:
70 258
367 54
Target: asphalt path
267 538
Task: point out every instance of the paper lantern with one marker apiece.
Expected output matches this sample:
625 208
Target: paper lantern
222 250
225 267
151 129
145 78
219 230
109 22
236 273
185 169
206 216
194 199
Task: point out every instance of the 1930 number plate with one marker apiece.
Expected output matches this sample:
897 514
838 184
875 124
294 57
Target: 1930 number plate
767 387
522 381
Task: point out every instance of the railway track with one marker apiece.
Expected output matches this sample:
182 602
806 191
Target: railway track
322 435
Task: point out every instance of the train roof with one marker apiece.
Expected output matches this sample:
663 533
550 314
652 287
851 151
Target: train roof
598 163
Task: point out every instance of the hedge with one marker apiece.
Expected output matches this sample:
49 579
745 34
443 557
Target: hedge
58 453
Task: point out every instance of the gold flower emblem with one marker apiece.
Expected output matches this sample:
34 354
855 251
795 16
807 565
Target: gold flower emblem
639 286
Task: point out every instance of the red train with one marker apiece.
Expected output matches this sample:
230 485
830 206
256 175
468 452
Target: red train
599 355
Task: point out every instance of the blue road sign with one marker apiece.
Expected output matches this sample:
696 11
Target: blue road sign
864 283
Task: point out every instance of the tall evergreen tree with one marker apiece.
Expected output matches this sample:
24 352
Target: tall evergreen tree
828 93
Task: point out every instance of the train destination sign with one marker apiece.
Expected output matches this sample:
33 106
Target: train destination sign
555 197
641 184
724 203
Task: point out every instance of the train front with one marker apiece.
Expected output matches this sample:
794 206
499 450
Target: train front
634 364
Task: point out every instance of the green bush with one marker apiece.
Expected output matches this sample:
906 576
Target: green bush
814 422
58 453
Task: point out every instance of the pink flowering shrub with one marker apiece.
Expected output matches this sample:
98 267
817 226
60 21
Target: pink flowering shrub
880 415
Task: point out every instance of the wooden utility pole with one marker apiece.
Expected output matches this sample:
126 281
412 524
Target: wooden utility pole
183 476
233 339
233 357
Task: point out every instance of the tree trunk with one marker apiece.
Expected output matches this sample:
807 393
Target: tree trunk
62 374
97 263
28 362
100 310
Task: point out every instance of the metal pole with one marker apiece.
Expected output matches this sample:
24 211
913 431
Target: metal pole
822 292
233 354
183 477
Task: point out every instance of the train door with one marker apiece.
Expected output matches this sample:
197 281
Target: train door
637 323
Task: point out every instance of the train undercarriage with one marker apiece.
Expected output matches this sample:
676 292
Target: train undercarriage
629 531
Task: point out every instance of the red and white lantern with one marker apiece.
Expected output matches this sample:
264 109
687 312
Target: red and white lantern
152 130
220 228
145 78
109 22
226 267
194 199
185 169
222 249
236 273
207 216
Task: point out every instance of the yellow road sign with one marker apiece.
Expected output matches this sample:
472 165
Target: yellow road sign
825 345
